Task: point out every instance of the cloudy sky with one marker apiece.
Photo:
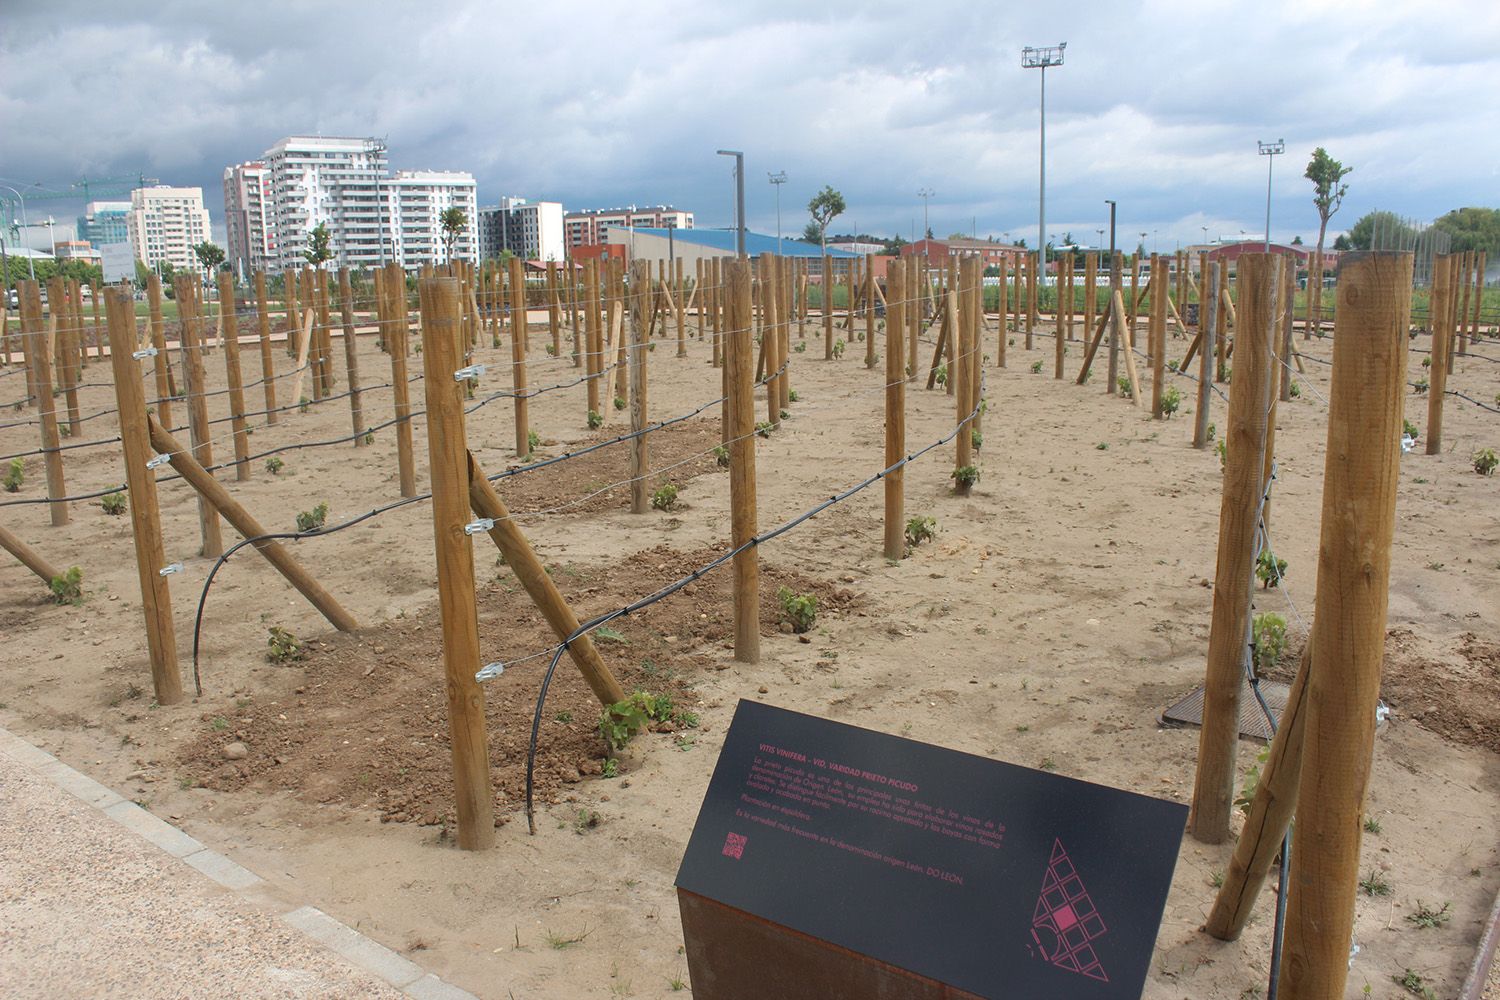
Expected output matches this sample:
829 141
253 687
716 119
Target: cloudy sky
1159 104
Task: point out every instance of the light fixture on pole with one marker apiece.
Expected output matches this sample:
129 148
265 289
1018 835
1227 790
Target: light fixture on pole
739 199
778 179
1270 150
1040 58
1101 235
1205 234
924 194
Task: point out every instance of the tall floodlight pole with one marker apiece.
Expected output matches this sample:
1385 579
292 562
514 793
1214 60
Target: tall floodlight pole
739 199
778 179
925 194
1111 203
1270 150
1040 58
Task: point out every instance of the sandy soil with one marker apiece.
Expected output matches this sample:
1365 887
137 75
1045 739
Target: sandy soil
1062 606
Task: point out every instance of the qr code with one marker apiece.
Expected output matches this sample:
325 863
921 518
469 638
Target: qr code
734 846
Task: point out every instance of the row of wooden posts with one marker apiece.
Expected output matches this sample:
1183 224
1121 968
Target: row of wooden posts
1326 733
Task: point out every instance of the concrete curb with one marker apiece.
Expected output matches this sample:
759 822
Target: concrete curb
362 952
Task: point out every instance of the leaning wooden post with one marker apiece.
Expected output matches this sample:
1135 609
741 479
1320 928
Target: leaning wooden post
1245 439
533 576
739 419
449 463
1348 640
28 557
640 336
895 411
1208 329
1441 311
234 377
351 355
46 405
1158 335
199 431
267 364
145 520
396 334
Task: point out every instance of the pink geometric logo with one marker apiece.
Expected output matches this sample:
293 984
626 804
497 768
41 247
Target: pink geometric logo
734 846
1066 918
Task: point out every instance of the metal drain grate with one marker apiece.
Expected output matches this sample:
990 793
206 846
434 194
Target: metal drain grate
1253 725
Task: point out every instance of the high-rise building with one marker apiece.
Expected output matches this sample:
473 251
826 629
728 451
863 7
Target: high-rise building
165 223
532 230
247 196
372 216
590 228
105 222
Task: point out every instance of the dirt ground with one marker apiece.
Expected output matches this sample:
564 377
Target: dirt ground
1060 608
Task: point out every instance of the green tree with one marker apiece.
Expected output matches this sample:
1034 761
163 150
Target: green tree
1297 241
209 254
824 207
318 249
1392 229
455 221
1473 229
1327 176
811 233
1341 242
142 273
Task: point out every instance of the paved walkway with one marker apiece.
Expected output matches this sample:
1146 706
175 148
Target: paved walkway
98 898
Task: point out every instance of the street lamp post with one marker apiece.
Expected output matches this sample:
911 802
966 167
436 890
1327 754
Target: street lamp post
1111 203
1270 150
1205 234
30 265
925 194
778 179
1040 58
739 199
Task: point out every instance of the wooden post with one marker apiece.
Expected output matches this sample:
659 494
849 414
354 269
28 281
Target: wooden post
718 310
1158 333
594 341
1057 351
976 341
1031 298
1227 323
1441 310
267 364
917 285
1285 346
958 374
1117 313
289 305
322 337
770 343
194 383
449 462
870 311
1004 340
145 520
895 411
640 338
1478 293
1245 439
739 419
1348 640
1117 329
41 361
235 379
96 336
616 328
59 301
783 330
827 289
1208 328
397 332
554 326
679 306
28 557
351 355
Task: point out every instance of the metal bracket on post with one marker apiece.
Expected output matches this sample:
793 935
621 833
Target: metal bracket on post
477 527
468 372
489 671
142 355
158 461
175 567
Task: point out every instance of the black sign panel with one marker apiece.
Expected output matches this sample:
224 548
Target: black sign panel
990 877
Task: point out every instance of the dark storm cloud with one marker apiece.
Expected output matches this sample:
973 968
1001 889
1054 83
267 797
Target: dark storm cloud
1159 105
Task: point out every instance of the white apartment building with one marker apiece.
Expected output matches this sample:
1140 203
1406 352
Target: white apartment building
532 230
416 200
165 223
247 200
591 227
372 216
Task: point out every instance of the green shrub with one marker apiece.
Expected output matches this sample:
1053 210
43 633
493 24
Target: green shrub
68 588
665 498
1485 461
595 420
838 348
1269 569
800 609
965 476
533 441
1124 383
312 520
1171 401
721 456
1409 429
919 530
619 402
976 439
942 375
113 504
15 475
1036 368
282 646
274 465
1268 639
